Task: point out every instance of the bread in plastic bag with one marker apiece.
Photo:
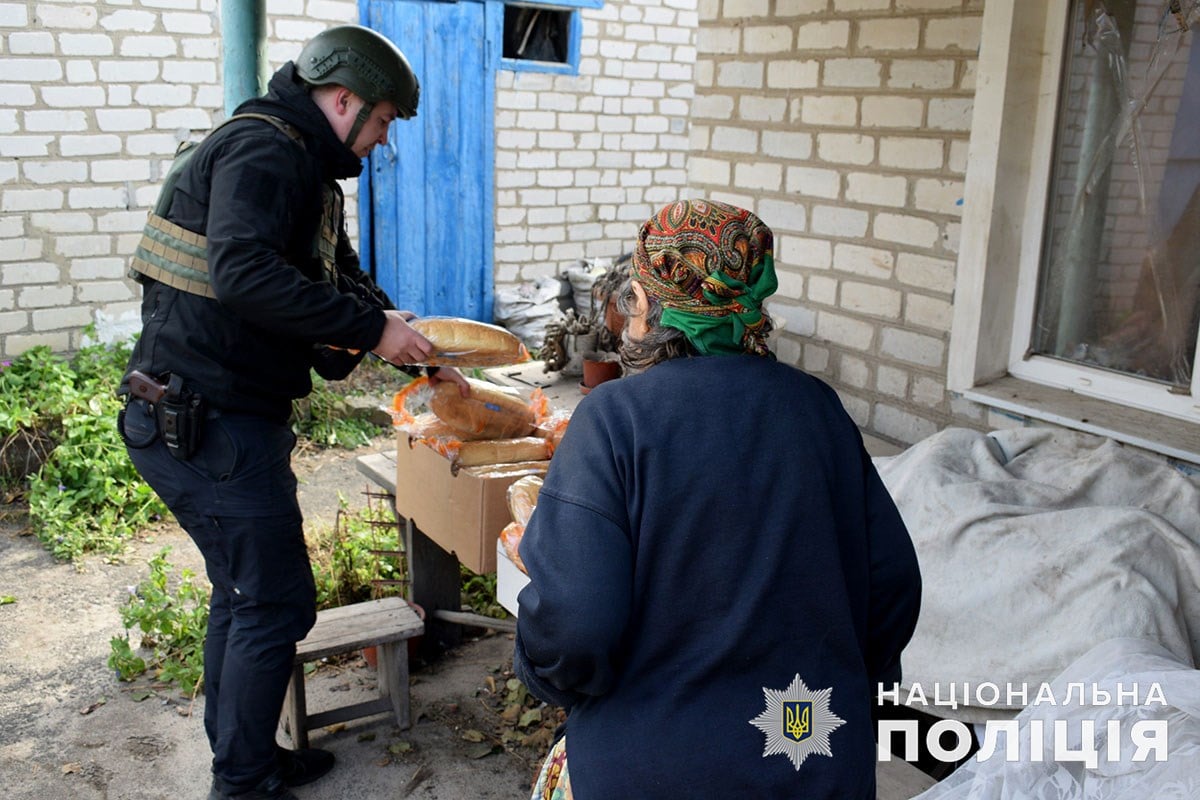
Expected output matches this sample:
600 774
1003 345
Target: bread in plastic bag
522 498
459 342
490 412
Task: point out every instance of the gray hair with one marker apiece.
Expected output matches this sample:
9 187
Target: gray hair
659 343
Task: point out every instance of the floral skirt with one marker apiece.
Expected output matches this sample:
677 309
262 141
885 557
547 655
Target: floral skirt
553 782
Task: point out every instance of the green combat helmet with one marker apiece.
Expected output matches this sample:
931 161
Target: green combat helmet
366 63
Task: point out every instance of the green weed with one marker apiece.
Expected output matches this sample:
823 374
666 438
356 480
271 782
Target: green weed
351 562
356 558
62 448
172 623
479 593
327 420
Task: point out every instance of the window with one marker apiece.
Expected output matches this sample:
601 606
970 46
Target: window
543 38
1079 268
536 34
1121 266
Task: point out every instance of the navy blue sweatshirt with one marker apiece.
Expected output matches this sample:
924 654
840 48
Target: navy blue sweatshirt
709 530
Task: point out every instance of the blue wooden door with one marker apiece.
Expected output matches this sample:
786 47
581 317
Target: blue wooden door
426 205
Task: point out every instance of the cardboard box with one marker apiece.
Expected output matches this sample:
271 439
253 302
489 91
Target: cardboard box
464 512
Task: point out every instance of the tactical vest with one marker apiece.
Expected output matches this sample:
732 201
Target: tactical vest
177 257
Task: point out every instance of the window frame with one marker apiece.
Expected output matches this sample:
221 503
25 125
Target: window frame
1020 67
574 38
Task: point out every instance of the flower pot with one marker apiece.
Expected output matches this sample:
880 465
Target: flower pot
371 654
597 370
575 345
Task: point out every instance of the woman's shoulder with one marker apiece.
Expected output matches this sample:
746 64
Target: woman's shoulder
757 368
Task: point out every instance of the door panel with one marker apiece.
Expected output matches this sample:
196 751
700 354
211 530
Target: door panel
426 214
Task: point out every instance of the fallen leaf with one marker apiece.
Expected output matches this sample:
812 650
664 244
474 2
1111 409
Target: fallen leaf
366 737
423 772
542 737
7 599
93 706
480 750
472 735
529 717
142 695
68 769
491 684
511 714
383 762
396 748
337 728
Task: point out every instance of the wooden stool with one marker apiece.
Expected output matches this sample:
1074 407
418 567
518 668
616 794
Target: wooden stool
384 624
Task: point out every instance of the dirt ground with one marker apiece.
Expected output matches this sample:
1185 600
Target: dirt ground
70 729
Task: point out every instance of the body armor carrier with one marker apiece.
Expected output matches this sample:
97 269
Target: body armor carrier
177 257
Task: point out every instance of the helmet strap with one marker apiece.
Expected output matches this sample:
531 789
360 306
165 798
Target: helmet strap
364 114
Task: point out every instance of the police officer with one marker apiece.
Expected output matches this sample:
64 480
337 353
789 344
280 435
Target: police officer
249 282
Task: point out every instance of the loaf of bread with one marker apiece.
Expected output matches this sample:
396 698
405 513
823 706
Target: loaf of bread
466 343
502 451
522 498
490 412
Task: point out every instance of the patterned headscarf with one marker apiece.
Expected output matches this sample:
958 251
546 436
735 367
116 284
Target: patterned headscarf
710 266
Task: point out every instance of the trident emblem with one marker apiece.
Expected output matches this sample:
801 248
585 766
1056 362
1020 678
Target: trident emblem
797 719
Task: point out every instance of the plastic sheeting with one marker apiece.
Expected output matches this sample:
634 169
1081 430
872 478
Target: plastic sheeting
1038 774
1036 544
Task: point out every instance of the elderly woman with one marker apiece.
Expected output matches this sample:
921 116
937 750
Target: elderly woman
718 577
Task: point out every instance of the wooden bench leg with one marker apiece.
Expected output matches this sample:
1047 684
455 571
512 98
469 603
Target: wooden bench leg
295 710
393 680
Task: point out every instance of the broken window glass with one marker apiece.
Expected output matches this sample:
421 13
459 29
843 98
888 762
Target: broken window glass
1120 280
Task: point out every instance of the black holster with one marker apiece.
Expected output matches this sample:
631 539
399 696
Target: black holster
180 417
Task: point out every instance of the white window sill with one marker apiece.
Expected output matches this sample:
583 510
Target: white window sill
1167 436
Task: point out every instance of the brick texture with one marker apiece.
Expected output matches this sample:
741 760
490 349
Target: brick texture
608 145
879 96
108 90
844 123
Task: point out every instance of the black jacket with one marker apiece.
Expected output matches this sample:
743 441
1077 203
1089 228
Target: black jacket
256 195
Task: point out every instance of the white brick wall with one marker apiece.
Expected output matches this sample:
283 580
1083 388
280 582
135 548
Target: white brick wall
106 92
844 123
109 89
879 95
601 150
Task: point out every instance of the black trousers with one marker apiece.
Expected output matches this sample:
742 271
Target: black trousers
236 498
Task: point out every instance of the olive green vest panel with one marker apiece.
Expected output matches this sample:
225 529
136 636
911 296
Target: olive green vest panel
176 256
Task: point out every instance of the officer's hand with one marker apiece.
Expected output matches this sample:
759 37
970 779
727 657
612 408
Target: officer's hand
399 343
451 375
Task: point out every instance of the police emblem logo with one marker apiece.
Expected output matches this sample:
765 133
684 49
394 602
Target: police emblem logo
797 722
